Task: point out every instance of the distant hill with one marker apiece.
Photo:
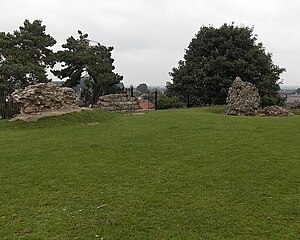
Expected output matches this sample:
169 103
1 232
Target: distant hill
289 87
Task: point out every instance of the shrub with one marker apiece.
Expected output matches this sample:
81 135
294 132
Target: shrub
270 101
165 102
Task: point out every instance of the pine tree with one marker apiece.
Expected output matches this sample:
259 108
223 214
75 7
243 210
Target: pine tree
25 55
79 56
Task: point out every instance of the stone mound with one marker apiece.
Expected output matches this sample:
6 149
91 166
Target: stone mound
242 99
277 111
44 97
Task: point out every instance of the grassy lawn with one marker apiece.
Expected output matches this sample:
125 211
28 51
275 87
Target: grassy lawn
178 174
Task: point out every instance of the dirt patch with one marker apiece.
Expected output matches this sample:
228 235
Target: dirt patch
36 116
135 113
93 123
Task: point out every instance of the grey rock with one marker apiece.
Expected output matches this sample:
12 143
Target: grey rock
44 97
242 99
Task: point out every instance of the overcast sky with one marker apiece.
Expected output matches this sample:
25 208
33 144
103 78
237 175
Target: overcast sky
149 36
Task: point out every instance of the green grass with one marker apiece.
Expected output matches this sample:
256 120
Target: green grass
178 174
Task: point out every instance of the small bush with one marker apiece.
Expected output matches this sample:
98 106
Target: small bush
165 102
270 101
296 111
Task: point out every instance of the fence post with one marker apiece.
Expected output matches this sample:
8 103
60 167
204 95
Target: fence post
131 90
155 100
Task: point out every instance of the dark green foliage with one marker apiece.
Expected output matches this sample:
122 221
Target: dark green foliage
96 60
8 108
25 56
269 101
142 88
215 57
296 111
165 102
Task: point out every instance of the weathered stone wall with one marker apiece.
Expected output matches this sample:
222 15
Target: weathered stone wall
242 99
118 102
44 97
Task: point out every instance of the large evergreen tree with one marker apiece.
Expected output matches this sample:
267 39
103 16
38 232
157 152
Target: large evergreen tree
25 56
215 57
80 56
5 45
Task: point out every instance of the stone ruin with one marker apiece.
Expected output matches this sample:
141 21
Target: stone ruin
118 102
276 111
243 99
44 97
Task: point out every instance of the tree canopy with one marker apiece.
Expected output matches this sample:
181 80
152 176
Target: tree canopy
142 88
25 56
80 56
215 57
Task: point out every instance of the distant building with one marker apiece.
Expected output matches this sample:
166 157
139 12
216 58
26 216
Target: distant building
293 99
286 93
146 105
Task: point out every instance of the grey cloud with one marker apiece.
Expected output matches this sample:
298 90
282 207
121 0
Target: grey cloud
150 36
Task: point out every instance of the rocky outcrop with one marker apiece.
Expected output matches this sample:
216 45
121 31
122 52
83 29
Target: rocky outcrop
118 102
243 99
276 111
44 97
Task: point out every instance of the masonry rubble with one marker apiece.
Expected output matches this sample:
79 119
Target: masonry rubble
276 111
118 102
44 97
242 99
